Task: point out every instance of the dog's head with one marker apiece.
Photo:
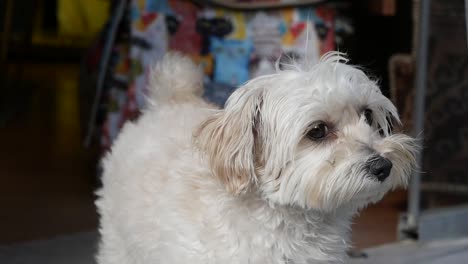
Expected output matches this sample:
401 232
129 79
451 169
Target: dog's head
317 138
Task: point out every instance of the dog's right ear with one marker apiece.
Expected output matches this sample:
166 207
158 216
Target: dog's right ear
228 140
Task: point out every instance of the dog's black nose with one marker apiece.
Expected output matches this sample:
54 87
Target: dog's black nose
380 167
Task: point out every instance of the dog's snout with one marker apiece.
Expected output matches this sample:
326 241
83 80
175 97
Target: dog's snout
380 167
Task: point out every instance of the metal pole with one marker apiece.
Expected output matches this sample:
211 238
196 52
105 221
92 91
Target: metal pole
116 17
466 21
419 114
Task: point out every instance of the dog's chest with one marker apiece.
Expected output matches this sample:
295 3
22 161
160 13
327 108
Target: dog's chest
269 238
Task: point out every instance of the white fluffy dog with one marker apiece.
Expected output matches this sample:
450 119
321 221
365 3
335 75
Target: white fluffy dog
275 177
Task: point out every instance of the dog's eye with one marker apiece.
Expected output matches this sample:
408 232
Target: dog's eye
368 116
389 127
318 130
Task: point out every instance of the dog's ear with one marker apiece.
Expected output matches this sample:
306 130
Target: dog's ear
228 140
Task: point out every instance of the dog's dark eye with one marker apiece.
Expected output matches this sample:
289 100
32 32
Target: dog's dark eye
318 130
389 128
368 116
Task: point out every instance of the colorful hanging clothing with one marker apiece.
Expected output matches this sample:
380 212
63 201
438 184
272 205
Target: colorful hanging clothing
230 46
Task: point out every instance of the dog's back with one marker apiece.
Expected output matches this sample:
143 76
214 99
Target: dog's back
139 180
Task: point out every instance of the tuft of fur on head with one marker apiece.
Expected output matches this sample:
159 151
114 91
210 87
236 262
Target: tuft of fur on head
259 142
175 77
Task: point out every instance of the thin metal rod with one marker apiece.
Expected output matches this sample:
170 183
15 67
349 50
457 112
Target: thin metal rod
419 110
104 63
466 21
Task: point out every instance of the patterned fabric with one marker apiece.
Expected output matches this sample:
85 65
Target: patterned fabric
232 60
115 98
231 46
147 43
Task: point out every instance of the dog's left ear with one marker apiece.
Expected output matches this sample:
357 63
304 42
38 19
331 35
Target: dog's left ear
228 140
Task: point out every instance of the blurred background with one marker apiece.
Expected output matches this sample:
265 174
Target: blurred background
73 71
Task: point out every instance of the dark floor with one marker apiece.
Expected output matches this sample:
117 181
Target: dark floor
48 177
377 224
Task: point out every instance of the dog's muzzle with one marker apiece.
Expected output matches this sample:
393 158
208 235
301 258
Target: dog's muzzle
379 168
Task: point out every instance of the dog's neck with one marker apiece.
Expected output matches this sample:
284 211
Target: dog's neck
300 235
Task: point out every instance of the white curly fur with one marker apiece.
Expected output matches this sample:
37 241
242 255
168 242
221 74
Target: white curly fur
250 187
